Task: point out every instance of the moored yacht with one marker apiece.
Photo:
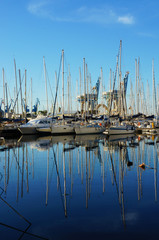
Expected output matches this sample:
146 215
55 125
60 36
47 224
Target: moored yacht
120 129
57 129
31 126
89 128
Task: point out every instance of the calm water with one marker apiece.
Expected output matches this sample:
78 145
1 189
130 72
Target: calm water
83 187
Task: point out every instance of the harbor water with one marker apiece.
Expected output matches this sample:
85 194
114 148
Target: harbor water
79 187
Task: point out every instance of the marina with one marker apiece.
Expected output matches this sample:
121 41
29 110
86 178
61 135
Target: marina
79 120
92 186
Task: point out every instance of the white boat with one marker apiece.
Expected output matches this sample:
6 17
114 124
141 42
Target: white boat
31 126
58 128
63 128
89 129
120 129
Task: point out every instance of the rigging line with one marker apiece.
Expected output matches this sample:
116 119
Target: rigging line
19 230
50 86
9 93
2 191
18 94
29 224
15 210
57 86
25 232
58 178
114 83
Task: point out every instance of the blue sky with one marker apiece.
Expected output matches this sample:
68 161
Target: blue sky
31 29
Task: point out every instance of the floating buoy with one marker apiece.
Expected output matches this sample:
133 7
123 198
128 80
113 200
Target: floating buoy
129 163
142 165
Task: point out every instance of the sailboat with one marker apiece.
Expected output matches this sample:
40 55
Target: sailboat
89 128
63 127
34 124
120 129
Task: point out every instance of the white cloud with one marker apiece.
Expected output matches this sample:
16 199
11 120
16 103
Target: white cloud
38 9
101 15
127 19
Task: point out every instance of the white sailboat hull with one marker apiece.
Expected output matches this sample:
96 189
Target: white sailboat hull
119 130
27 130
62 129
89 130
32 125
44 130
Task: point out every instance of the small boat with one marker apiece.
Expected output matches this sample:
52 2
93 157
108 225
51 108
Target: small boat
31 126
89 129
62 128
57 129
9 129
120 129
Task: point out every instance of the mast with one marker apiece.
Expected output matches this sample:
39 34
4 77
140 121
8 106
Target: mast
31 97
16 84
120 79
57 108
69 84
136 86
120 61
154 90
110 85
101 85
148 97
46 86
7 100
21 91
80 87
138 74
62 82
84 86
77 91
25 97
3 91
87 89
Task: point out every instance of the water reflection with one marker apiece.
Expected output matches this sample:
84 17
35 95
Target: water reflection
61 176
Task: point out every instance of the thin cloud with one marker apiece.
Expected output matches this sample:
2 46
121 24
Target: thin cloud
95 15
39 9
102 15
146 34
126 19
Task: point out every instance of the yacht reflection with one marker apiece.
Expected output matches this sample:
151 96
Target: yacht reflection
89 141
70 157
9 144
117 146
119 138
41 144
